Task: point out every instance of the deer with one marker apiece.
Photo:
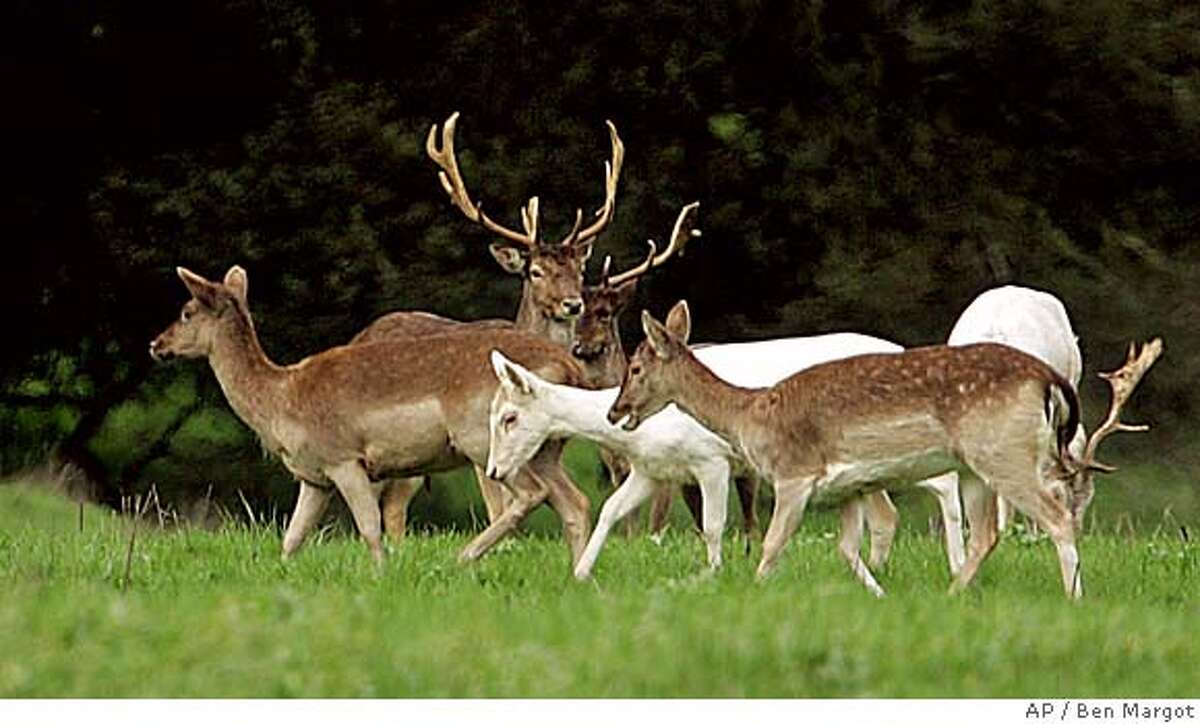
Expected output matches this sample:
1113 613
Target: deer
598 345
552 298
1002 419
1033 321
350 415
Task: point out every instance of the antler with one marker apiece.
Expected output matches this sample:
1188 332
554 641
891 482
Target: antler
684 230
452 182
1122 382
612 174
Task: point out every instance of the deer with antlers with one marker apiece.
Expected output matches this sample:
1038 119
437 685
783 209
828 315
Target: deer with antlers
1000 418
552 298
351 415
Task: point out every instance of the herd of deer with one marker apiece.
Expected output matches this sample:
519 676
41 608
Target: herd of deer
841 418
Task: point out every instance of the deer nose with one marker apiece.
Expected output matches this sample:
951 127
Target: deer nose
572 307
586 351
157 353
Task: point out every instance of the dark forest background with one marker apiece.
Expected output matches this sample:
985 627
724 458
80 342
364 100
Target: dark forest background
861 165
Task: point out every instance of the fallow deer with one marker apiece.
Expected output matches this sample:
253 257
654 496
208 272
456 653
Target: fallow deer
551 290
353 414
598 345
1034 322
598 336
1000 418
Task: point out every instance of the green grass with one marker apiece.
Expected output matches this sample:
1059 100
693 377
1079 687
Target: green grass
215 614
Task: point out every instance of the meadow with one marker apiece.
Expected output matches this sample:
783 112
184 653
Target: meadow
214 613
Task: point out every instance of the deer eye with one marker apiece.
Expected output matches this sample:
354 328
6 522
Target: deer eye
185 315
509 419
635 370
535 272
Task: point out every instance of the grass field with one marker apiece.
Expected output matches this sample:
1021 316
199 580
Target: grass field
215 614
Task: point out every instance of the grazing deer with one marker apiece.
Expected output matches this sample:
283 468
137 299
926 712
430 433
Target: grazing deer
1034 322
999 417
551 290
350 415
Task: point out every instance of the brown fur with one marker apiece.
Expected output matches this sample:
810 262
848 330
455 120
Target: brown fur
873 421
358 412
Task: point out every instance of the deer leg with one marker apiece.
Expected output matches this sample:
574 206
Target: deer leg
632 493
310 505
713 481
882 520
660 507
394 499
945 489
572 506
1040 505
693 498
747 491
352 482
617 468
979 502
790 498
528 493
495 497
850 541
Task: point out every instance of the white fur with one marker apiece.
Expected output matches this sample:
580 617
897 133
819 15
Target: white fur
1034 322
670 447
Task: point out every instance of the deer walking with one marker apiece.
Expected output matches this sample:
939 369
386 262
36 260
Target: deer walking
552 297
1000 418
351 415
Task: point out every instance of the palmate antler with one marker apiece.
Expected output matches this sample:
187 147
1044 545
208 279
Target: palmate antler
1122 383
456 189
684 229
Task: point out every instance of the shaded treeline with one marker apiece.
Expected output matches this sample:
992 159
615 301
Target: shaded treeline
860 165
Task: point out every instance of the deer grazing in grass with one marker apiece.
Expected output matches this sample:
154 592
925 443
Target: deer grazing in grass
359 413
552 298
1034 322
1000 418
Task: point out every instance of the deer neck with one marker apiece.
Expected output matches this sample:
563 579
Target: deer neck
576 411
252 384
530 319
714 403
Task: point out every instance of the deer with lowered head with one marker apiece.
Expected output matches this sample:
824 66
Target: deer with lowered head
552 297
351 415
1034 322
998 417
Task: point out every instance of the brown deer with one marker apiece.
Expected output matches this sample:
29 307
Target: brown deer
360 413
997 416
551 291
598 346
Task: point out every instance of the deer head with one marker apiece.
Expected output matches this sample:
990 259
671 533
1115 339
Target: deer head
552 272
519 426
192 334
1077 486
597 332
647 386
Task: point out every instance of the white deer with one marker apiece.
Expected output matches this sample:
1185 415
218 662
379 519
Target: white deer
1034 322
673 448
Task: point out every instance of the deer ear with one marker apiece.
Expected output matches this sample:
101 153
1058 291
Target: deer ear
510 258
512 375
679 321
201 289
236 282
656 336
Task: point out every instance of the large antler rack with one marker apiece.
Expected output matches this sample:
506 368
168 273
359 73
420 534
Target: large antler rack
452 182
1122 383
683 231
612 174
